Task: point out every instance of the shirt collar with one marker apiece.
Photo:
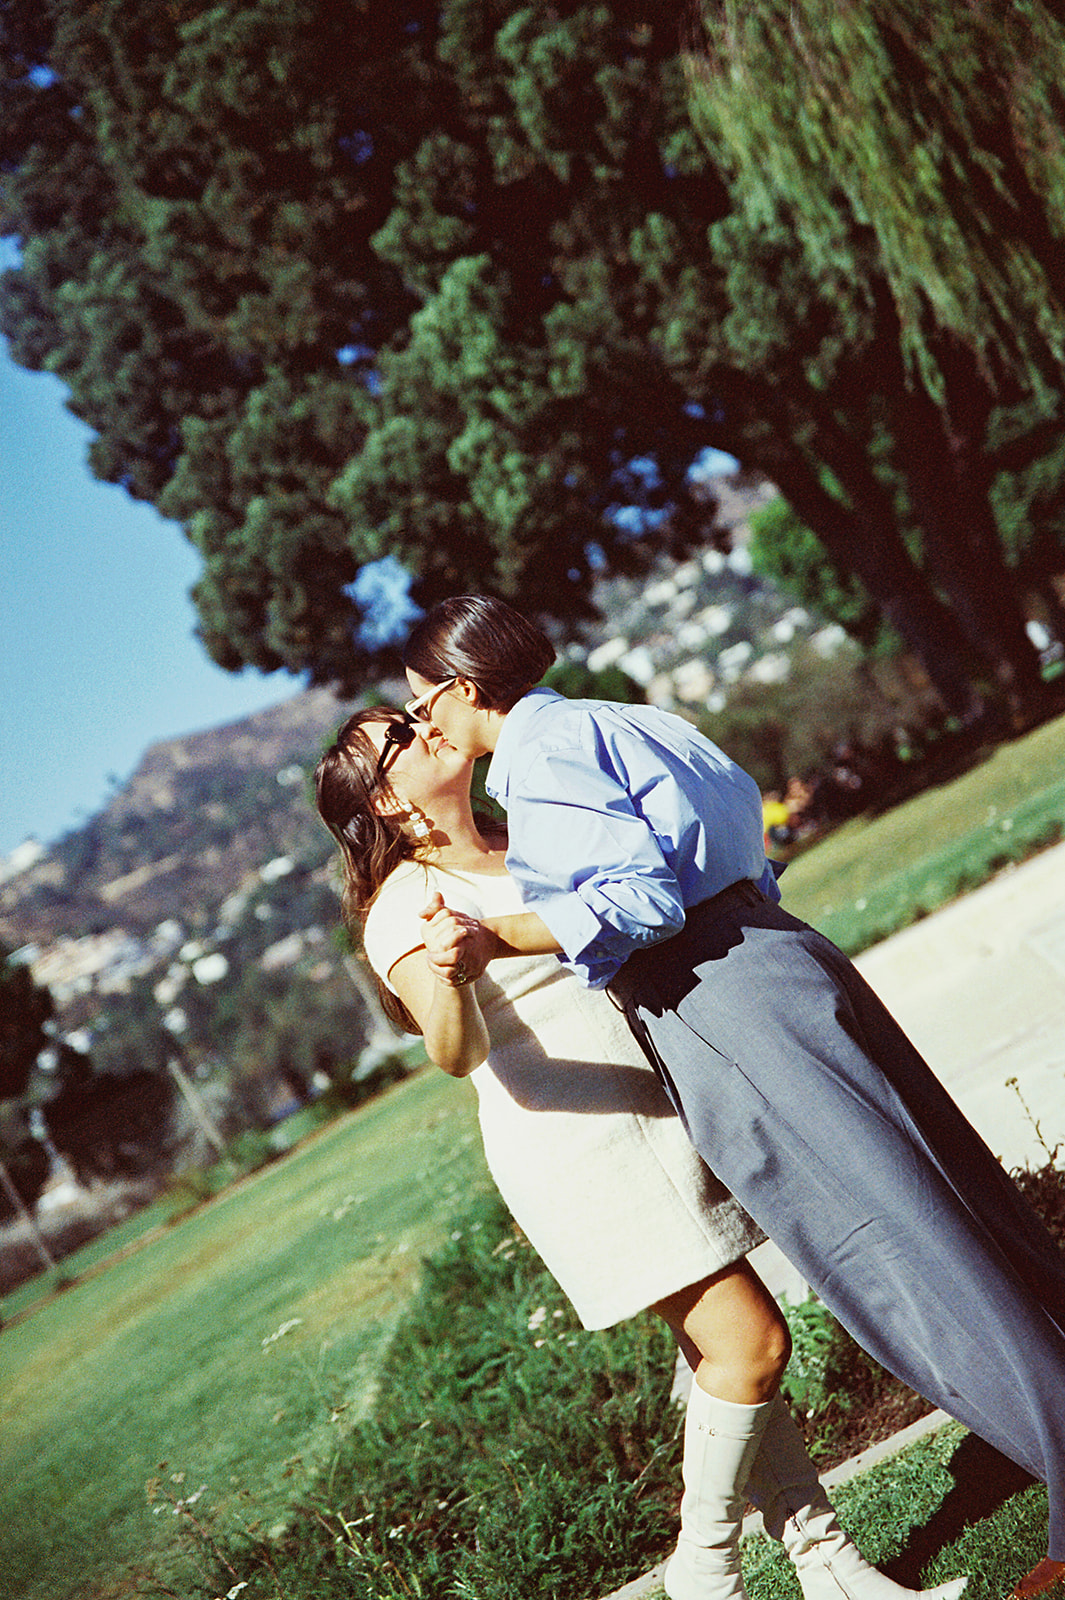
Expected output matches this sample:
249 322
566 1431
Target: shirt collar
512 735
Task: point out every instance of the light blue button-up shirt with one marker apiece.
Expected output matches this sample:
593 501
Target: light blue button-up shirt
619 818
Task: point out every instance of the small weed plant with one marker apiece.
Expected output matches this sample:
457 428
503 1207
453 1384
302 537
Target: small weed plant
1043 1187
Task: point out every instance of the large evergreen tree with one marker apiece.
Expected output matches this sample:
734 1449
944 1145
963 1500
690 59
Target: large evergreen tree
334 281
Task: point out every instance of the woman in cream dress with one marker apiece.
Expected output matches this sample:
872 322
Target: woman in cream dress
584 1147
578 1134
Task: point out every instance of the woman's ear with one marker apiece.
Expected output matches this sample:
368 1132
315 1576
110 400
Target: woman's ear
467 691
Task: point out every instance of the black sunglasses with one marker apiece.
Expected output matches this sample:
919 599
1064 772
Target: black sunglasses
399 735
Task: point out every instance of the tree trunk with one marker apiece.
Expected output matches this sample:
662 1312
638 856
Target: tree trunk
865 539
948 477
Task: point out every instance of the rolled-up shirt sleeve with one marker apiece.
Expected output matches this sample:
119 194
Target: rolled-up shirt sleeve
621 895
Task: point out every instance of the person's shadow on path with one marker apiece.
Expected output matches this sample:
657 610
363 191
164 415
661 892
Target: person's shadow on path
983 1481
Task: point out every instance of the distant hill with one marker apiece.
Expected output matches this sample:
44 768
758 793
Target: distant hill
195 818
195 917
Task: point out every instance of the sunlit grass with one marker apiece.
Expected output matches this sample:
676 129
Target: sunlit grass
946 1481
234 1344
877 874
161 1358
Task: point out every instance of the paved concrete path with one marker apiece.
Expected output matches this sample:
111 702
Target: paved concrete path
980 988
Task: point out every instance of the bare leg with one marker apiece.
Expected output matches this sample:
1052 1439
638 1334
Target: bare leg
732 1334
737 1342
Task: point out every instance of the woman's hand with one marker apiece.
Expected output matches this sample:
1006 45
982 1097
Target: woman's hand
457 946
435 985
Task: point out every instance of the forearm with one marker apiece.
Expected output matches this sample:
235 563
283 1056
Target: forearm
522 934
454 1030
448 1014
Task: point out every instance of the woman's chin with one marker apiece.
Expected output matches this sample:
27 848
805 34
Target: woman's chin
452 759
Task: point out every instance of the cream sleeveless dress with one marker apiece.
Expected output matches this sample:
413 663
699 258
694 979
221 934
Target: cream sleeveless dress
579 1136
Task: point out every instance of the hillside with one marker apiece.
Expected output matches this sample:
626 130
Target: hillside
202 813
198 815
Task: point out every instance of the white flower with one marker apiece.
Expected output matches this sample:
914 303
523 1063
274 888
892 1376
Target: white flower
538 1318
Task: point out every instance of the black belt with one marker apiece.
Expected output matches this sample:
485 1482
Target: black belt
743 892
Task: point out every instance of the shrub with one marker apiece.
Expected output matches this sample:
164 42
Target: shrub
843 1399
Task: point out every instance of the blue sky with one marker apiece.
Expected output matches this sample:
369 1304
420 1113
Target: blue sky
96 627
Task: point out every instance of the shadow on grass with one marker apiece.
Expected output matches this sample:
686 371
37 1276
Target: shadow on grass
983 1481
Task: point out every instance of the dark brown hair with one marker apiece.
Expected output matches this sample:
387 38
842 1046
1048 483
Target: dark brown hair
485 641
371 845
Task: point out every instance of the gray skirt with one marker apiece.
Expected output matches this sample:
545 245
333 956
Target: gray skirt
801 1091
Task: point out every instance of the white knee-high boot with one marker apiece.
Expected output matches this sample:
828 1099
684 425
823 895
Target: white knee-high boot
721 1440
784 1485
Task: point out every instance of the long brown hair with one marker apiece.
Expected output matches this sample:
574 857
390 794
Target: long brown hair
371 845
485 641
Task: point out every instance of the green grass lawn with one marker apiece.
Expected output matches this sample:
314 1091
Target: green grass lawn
174 1354
876 874
234 1344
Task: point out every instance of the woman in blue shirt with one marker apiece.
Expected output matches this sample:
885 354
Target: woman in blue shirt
638 849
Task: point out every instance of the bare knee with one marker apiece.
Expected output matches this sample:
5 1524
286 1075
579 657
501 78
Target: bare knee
770 1355
745 1365
732 1333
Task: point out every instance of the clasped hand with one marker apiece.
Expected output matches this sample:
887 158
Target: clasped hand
457 946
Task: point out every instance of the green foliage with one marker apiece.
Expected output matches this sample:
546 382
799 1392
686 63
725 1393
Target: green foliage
578 682
425 280
828 1376
112 1126
25 1007
25 1162
791 729
784 550
25 1010
812 1376
105 1124
946 141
